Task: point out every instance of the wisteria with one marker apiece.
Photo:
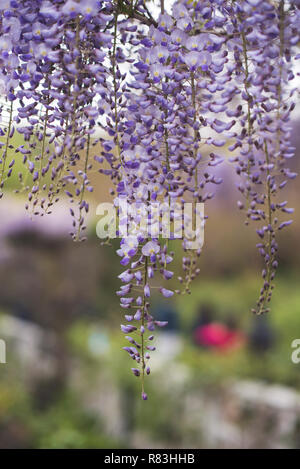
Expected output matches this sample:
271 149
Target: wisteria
155 99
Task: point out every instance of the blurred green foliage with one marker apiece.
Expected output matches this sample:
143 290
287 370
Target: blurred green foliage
68 424
235 296
64 425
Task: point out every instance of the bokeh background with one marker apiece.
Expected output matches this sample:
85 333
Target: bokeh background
221 377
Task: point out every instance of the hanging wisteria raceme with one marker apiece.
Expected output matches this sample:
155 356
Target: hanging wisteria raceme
154 100
264 147
52 63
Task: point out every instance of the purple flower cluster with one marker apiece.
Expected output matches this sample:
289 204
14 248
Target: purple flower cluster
51 65
266 39
167 94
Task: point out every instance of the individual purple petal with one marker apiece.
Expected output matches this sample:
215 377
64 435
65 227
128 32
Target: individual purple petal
150 248
135 371
147 291
166 293
128 329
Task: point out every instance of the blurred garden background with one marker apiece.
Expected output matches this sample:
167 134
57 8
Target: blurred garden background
221 377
